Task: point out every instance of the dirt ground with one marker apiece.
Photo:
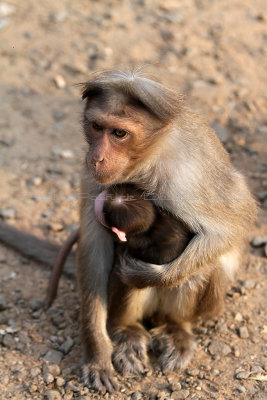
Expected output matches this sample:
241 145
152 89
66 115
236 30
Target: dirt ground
214 51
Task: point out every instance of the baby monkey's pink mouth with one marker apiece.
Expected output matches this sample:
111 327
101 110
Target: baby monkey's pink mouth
99 204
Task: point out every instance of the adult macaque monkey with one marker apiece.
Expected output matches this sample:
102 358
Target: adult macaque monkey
141 132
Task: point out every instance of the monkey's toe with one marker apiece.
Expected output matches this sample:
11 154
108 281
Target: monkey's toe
130 354
100 380
174 350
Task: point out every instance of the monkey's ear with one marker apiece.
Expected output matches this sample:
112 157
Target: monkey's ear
90 90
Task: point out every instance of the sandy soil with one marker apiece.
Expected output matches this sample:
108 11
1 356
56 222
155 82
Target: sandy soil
215 53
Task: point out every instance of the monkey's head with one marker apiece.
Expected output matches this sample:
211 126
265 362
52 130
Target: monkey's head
122 118
123 209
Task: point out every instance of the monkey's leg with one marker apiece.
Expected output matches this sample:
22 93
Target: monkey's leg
173 341
127 309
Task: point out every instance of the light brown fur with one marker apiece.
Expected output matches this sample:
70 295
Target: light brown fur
172 154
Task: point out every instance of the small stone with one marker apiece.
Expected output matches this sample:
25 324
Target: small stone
175 386
60 82
52 395
8 341
241 389
8 213
242 375
6 9
215 372
59 115
60 16
259 241
2 303
243 332
73 386
35 181
66 346
238 317
55 227
52 369
219 348
262 195
221 131
257 369
4 22
180 394
36 304
53 356
192 372
35 372
48 378
60 382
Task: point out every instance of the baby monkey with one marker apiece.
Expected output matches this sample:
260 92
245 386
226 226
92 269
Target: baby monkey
141 228
147 232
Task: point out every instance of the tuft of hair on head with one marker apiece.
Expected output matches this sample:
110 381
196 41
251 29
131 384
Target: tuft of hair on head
159 100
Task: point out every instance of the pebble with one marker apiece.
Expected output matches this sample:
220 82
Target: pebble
9 341
48 378
35 181
221 131
55 227
60 82
52 395
4 22
66 346
36 304
262 195
2 303
241 389
243 332
192 372
259 241
219 348
35 372
73 386
180 394
53 356
175 386
8 213
239 317
6 9
242 375
52 369
60 381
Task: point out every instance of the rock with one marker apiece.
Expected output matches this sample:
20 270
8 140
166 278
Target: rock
4 22
60 82
2 303
180 394
8 213
59 115
35 181
241 389
219 348
66 346
242 375
8 341
36 304
221 131
175 386
52 395
192 372
238 317
52 369
6 9
243 332
259 241
53 357
35 372
55 227
262 195
48 378
73 386
60 382
60 16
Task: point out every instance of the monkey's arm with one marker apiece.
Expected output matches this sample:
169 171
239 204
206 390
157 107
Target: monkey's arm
94 263
33 247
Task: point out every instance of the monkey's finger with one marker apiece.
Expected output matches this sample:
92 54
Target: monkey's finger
109 383
95 383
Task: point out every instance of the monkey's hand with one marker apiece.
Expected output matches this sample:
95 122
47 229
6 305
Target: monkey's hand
139 274
100 377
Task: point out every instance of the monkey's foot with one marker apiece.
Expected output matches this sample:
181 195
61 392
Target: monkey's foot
174 346
99 379
130 350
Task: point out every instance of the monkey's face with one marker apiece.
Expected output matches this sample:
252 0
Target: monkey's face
119 136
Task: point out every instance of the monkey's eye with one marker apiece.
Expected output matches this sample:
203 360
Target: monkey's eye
119 133
96 127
